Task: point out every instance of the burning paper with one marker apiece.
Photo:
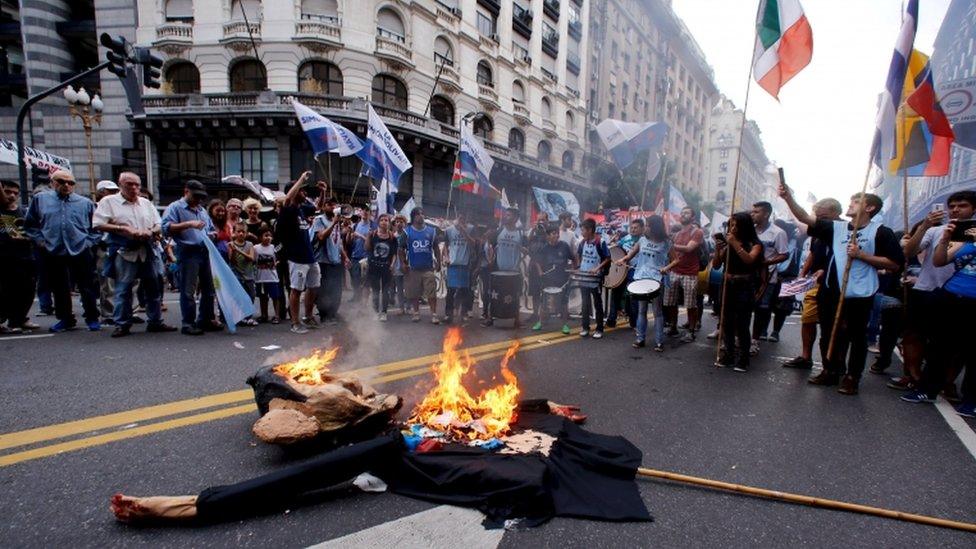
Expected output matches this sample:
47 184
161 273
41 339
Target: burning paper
309 369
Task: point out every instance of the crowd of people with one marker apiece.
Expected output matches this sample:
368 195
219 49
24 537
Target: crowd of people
902 293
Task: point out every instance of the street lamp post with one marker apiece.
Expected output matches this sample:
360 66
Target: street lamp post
89 110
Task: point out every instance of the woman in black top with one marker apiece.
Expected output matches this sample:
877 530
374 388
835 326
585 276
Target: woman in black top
740 294
381 246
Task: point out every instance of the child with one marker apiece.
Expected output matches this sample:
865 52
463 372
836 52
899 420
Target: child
267 276
242 260
594 256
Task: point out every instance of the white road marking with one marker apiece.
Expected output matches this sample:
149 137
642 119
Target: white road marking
27 336
444 526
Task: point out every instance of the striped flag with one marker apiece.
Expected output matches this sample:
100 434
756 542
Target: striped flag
676 201
784 44
472 168
381 154
883 149
234 302
325 135
625 141
924 134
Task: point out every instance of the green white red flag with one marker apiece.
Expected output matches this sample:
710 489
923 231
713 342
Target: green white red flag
784 43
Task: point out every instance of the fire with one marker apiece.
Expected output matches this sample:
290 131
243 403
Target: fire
308 369
450 407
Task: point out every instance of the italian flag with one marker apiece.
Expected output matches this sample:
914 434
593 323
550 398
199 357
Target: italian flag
784 43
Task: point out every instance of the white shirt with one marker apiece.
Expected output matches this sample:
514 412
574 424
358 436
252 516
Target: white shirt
931 277
775 242
116 210
569 237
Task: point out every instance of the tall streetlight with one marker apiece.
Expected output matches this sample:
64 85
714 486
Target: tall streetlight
89 110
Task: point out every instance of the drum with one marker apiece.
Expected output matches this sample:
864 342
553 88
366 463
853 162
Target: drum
644 290
506 287
582 279
552 298
618 273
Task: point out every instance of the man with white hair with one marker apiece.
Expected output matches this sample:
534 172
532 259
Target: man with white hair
133 224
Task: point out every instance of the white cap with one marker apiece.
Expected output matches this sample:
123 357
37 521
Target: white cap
106 185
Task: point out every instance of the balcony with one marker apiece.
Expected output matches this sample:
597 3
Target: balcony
521 113
522 20
550 43
450 77
521 55
392 48
551 8
237 34
549 127
573 139
448 13
548 75
493 6
488 96
174 34
489 44
575 29
573 62
319 32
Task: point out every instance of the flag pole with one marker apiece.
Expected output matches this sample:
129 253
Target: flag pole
328 163
735 188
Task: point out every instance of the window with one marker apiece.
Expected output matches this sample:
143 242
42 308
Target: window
518 92
486 24
484 74
442 110
516 140
570 122
722 180
626 61
248 75
483 127
180 10
321 10
613 50
443 52
254 159
720 196
238 8
723 167
389 25
545 151
568 160
182 77
724 153
389 91
320 77
546 109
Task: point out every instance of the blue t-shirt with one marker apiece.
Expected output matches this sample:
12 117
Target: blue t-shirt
420 247
592 253
963 282
458 247
652 257
328 250
358 244
508 249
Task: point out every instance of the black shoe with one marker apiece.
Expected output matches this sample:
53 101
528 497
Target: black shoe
137 320
824 378
108 321
799 363
120 331
672 331
638 344
159 328
878 367
191 331
611 324
212 327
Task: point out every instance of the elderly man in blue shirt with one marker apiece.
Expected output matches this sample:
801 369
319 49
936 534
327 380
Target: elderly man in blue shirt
187 221
60 223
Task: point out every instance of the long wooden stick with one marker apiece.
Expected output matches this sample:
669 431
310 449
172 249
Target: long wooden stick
808 500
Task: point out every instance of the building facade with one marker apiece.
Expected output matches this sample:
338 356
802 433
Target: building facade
724 129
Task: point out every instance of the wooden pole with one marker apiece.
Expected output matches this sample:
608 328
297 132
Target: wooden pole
808 500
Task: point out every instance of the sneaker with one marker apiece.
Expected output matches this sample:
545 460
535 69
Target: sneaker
689 337
62 326
739 368
798 363
659 348
966 410
28 325
848 386
764 337
382 317
877 367
537 326
191 331
774 337
158 328
299 329
310 322
902 383
565 329
415 317
121 331
916 397
584 333
638 344
712 335
824 378
754 347
434 319
598 334
724 360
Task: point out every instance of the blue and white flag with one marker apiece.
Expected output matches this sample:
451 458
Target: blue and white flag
381 155
676 200
883 149
408 207
325 135
627 140
234 301
472 170
384 198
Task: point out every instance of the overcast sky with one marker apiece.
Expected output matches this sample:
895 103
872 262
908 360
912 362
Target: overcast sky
821 130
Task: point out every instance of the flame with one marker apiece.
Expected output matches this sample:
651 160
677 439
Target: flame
308 369
450 407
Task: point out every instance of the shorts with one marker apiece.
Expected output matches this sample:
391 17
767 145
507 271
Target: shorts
458 276
419 284
687 285
809 314
269 289
304 276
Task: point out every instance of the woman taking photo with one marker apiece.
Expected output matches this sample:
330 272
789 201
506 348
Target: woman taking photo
744 261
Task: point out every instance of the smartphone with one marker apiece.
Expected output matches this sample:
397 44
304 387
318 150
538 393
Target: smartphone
720 237
938 207
965 231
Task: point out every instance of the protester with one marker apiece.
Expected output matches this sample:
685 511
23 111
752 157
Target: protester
330 255
775 246
741 251
60 224
381 246
554 259
266 278
357 252
459 252
508 247
567 230
106 285
18 278
419 257
876 248
787 270
486 258
234 209
217 211
396 288
243 262
650 256
535 242
594 256
132 225
255 225
292 230
684 280
618 297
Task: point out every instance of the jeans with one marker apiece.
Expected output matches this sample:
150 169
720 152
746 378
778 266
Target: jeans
17 283
396 292
457 296
737 309
146 273
106 286
484 278
764 309
195 275
330 292
891 327
356 279
64 270
851 345
619 297
594 295
379 283
641 330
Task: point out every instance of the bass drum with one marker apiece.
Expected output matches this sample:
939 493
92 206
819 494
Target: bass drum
618 273
506 287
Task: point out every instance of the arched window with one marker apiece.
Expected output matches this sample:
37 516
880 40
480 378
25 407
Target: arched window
248 75
518 92
568 160
570 122
322 10
179 10
516 140
389 91
320 77
545 151
442 110
443 52
546 109
389 25
483 127
484 74
239 7
720 196
183 77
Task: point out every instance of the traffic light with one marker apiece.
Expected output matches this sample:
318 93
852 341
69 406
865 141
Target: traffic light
151 67
117 54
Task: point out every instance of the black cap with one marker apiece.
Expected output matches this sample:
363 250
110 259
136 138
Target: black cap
196 188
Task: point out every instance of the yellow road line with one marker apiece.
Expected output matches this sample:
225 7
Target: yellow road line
118 419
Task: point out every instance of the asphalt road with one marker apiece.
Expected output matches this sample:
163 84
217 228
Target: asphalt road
765 428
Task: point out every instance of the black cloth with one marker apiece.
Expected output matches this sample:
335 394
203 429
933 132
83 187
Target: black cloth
852 333
382 251
740 298
292 231
886 244
586 475
739 267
